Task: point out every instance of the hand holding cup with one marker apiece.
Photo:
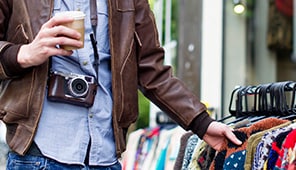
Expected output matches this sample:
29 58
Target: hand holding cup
53 34
77 24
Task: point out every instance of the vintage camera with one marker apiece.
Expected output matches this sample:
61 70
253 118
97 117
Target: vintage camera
72 88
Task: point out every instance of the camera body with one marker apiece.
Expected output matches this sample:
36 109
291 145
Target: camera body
72 88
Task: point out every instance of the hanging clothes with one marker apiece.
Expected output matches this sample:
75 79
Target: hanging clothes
152 148
280 32
232 156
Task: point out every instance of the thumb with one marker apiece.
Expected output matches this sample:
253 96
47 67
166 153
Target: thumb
230 135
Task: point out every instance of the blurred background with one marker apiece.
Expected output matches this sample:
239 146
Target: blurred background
216 45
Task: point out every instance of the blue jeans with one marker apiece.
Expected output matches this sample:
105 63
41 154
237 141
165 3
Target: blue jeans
29 162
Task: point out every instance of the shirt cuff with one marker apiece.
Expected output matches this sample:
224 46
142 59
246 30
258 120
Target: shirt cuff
200 124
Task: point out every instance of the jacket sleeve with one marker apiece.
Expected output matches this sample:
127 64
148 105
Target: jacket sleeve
9 67
157 82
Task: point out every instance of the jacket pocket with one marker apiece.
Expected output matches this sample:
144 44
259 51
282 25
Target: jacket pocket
20 36
129 92
15 99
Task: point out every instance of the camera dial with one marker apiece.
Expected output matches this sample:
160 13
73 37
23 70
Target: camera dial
78 87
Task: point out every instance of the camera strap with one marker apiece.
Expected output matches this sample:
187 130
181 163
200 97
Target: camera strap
93 15
94 23
96 55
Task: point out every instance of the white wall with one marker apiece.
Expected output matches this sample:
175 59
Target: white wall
265 61
211 74
235 57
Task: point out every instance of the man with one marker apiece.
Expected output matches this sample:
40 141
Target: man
64 135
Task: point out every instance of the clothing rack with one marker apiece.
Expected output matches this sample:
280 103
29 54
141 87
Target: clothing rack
260 112
275 99
264 120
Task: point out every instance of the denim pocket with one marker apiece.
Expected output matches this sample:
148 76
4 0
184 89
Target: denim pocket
17 162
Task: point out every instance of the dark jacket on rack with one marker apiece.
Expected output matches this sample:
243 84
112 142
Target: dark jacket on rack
137 62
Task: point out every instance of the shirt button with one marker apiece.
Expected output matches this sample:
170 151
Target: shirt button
90 115
85 63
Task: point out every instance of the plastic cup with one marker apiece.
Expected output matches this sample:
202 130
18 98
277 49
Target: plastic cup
77 24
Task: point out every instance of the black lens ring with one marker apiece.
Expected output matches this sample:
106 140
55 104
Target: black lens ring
78 87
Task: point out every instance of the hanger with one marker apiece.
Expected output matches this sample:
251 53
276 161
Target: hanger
232 105
264 101
240 109
290 112
254 103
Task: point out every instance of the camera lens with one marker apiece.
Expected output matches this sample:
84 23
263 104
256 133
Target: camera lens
78 87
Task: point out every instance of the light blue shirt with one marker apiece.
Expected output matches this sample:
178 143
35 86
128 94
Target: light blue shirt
65 130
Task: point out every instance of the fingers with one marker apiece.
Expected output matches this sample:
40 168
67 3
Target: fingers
230 135
53 34
58 20
63 41
60 30
44 45
218 128
62 52
217 133
55 27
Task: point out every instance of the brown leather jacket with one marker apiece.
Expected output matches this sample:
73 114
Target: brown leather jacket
137 62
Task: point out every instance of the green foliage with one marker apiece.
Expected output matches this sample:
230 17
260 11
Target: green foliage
143 120
144 104
151 2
